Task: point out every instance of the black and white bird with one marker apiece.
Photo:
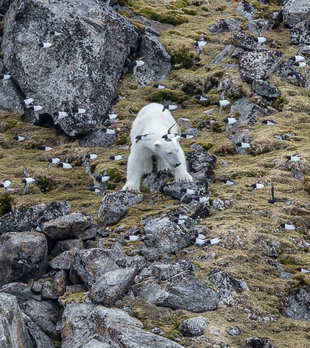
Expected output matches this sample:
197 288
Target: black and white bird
20 138
35 108
95 190
257 186
113 116
227 182
222 104
168 136
214 241
199 44
52 161
61 114
170 107
108 131
91 156
45 148
64 165
5 77
303 270
159 86
116 157
230 120
27 181
181 219
143 137
269 122
187 136
288 226
46 45
138 63
78 110
6 183
201 98
243 145
101 178
298 58
293 158
261 39
28 102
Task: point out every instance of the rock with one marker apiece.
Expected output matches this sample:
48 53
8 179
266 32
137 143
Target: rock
234 331
32 217
98 138
10 99
218 204
63 260
245 10
266 89
258 26
165 235
184 122
23 256
241 135
202 163
49 291
13 331
64 245
250 114
20 290
114 206
156 181
193 132
256 342
4 5
157 62
227 285
67 226
193 327
224 25
38 336
60 282
297 305
300 34
173 287
291 72
175 190
112 286
44 314
295 11
244 40
112 327
66 75
259 65
226 51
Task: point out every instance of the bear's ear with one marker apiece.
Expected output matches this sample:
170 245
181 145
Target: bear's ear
157 143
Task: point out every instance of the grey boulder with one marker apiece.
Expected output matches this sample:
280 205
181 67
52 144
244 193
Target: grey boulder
300 34
193 327
81 68
257 342
10 99
266 89
67 226
295 11
114 206
98 138
23 256
40 339
156 181
245 10
32 217
13 331
258 26
224 25
259 65
244 40
297 305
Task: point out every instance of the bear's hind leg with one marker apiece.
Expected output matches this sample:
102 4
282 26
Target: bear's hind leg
135 166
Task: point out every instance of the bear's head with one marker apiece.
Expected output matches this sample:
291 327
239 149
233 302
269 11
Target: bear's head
168 150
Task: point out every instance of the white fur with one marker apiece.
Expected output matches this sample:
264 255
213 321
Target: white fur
153 121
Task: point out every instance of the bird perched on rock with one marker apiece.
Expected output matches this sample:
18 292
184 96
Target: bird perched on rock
293 158
108 131
5 77
27 181
116 157
257 186
199 44
269 122
230 120
243 145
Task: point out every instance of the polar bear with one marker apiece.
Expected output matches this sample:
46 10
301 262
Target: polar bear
155 132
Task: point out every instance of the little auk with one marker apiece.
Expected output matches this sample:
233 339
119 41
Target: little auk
227 182
288 227
143 137
261 39
230 120
113 116
201 98
101 178
243 145
20 138
116 157
27 181
170 107
6 184
293 158
45 148
222 104
303 270
35 107
187 136
52 161
159 86
257 186
139 62
199 44
269 122
28 102
133 238
91 156
108 131
46 45
168 136
64 165
5 76
61 114
298 58
214 241
95 189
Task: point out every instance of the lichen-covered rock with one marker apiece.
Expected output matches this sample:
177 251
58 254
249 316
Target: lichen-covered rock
297 305
291 72
156 181
173 287
9 98
258 26
202 163
32 217
244 40
111 327
44 314
300 34
228 50
266 89
257 342
295 11
194 326
224 25
114 206
23 256
165 235
178 190
21 291
98 138
67 226
245 10
38 336
63 260
112 286
65 75
157 62
13 331
259 65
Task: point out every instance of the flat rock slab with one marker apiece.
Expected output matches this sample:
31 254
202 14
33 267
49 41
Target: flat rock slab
23 256
10 100
244 40
32 217
295 11
266 89
81 68
114 206
67 226
259 65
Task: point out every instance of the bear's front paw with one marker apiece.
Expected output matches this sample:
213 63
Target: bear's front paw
183 177
129 187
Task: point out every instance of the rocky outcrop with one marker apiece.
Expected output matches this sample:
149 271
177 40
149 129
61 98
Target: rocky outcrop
295 11
64 76
32 217
23 256
297 305
13 331
88 325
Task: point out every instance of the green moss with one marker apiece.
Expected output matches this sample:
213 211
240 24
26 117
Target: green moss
206 146
75 297
46 185
217 127
184 58
288 260
167 94
236 94
92 167
190 88
115 178
123 139
5 204
189 12
170 17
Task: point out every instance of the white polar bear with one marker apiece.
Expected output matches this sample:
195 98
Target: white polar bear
146 135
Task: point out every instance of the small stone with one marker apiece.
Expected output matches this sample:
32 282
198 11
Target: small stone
193 327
